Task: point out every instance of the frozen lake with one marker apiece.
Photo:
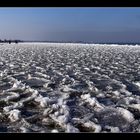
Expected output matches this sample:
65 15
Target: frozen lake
63 87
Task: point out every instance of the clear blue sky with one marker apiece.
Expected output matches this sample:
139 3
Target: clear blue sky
71 24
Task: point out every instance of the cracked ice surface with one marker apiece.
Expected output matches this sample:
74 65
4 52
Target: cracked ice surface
65 87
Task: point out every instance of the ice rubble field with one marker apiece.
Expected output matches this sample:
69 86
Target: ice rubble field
61 87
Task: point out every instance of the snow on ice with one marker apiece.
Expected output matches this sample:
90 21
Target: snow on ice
69 87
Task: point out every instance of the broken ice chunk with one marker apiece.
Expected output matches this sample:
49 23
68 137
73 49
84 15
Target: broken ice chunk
15 115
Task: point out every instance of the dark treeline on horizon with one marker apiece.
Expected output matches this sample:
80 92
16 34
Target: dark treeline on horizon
10 41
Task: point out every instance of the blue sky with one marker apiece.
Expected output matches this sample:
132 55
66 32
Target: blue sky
71 24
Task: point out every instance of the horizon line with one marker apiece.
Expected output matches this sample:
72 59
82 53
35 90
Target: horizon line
83 42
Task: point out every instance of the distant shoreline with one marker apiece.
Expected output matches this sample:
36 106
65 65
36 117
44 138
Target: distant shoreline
102 43
74 42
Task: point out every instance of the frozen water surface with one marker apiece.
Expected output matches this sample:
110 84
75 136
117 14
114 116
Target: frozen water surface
65 87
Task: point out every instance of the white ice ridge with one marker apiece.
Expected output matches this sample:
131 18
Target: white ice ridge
138 84
14 106
92 101
17 86
44 101
12 96
126 114
14 115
